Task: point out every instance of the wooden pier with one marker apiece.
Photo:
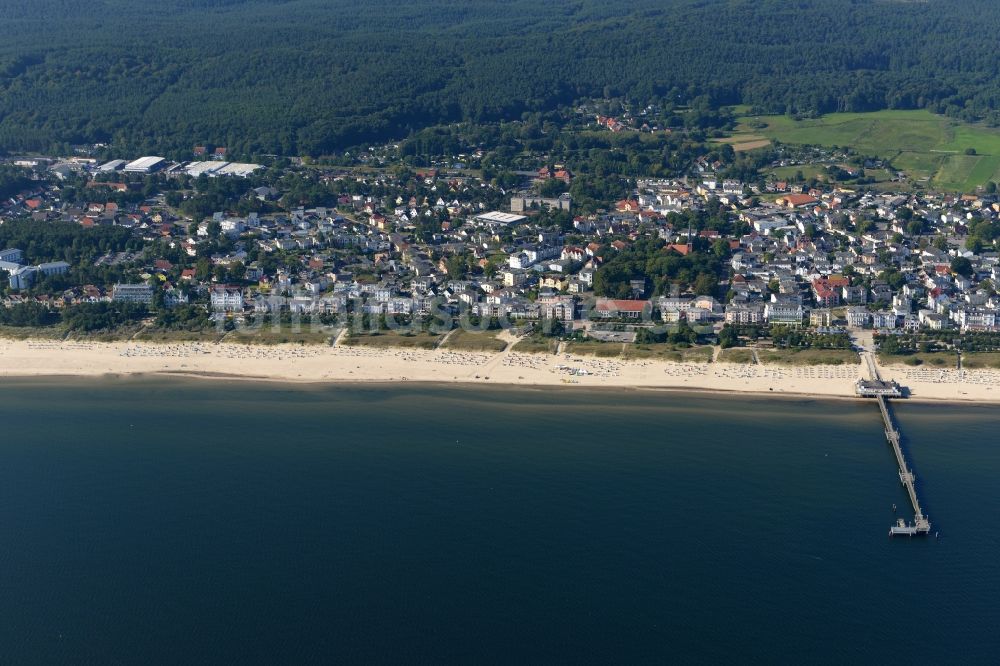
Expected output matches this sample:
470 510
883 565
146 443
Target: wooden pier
881 390
921 525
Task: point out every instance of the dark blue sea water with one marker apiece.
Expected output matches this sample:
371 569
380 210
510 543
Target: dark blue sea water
154 521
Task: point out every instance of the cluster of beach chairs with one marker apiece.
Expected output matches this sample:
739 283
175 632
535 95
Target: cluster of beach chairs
686 369
952 376
193 349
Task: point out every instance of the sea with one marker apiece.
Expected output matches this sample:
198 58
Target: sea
190 521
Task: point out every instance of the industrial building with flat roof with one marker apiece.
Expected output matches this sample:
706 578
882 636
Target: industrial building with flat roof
113 165
217 168
499 217
145 164
238 169
196 169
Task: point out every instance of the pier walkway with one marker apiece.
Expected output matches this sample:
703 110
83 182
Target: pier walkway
920 523
881 390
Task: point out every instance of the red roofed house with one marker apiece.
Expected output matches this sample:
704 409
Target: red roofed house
826 297
826 290
610 308
797 200
627 206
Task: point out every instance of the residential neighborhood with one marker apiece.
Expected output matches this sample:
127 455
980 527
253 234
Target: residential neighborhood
733 261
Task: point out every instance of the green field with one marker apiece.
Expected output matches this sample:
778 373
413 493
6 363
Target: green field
481 341
281 335
32 333
601 349
386 339
944 360
150 334
536 345
808 357
736 356
808 171
667 352
975 360
920 143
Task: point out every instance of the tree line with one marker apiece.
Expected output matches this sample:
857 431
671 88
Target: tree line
316 76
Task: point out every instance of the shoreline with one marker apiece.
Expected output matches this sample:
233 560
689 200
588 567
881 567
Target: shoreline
308 383
340 365
693 390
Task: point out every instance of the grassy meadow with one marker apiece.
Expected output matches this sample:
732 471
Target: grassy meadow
926 146
475 341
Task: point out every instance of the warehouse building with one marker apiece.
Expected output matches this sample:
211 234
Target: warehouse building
145 165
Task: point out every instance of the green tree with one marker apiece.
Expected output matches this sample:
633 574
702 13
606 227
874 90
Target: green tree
457 266
728 337
203 269
962 266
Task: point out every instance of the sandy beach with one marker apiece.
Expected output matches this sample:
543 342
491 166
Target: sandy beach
293 363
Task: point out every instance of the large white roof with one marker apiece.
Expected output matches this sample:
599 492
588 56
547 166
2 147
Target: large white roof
197 168
113 165
501 217
238 169
144 163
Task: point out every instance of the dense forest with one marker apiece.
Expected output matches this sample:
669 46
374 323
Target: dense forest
315 76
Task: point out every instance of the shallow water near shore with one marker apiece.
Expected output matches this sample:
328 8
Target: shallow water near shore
156 520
